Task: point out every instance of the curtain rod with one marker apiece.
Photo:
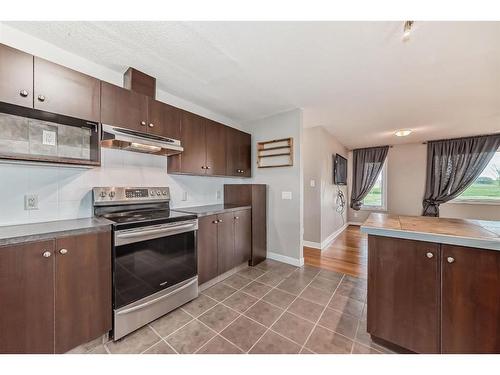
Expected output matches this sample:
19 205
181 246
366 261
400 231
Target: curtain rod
454 139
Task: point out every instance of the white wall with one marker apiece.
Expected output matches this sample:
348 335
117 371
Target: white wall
321 219
406 174
284 217
65 192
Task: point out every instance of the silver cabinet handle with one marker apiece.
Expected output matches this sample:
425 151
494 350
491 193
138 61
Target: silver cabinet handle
23 93
63 251
143 123
151 125
236 217
46 254
220 220
207 167
429 255
203 167
215 221
41 98
450 259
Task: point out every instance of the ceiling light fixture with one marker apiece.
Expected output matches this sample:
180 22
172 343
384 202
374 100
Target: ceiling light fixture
407 27
402 132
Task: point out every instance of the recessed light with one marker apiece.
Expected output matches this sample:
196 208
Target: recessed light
403 132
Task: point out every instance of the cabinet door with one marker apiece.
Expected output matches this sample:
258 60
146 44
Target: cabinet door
238 149
123 108
65 91
470 300
232 152
83 289
16 77
245 154
27 298
403 292
225 241
207 248
242 236
164 120
215 135
193 158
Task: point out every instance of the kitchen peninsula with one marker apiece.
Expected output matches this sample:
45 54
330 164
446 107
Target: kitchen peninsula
434 283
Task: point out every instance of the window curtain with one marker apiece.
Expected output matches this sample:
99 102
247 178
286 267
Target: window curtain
453 165
367 164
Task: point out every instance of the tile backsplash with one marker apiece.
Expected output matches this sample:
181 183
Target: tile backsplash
22 135
65 192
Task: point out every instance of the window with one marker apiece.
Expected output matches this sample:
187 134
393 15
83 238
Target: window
377 197
486 188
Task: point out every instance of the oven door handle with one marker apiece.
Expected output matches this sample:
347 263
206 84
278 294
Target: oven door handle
142 235
145 304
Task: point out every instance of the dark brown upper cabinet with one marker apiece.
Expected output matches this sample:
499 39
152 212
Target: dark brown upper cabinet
64 91
215 140
238 149
16 77
123 108
204 147
163 119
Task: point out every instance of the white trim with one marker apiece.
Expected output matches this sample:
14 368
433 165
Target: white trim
483 202
286 259
314 245
358 223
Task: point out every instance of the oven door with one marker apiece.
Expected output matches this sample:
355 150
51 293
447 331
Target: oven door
149 259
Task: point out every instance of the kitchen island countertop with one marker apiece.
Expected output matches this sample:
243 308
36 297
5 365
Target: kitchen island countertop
462 232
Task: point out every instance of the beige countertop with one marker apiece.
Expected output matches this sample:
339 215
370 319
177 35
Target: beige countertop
462 232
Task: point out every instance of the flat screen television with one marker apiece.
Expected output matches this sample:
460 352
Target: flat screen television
339 170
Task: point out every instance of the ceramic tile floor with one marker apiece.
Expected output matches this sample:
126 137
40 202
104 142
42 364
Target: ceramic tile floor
271 308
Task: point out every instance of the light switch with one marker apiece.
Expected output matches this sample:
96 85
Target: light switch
286 195
218 195
313 183
184 195
31 202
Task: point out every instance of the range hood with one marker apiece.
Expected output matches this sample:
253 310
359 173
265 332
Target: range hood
130 140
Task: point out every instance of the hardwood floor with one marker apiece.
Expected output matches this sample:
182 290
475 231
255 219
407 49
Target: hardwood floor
348 253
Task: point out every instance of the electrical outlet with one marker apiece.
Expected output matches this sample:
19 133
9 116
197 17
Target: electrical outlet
31 202
49 138
286 195
313 183
218 195
184 195
355 214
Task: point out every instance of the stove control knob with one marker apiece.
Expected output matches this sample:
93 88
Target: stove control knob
103 194
158 192
112 194
164 192
152 193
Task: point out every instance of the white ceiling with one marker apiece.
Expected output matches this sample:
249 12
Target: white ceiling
357 79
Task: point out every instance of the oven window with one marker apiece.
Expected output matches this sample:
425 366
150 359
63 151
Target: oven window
146 267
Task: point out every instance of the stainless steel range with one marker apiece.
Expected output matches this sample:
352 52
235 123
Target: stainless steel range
154 254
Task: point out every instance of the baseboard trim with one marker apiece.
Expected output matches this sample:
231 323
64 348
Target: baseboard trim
323 245
285 259
314 245
358 223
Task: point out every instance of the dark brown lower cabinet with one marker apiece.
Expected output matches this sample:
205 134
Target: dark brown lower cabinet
403 293
83 289
433 298
471 300
27 298
207 248
55 294
242 236
224 242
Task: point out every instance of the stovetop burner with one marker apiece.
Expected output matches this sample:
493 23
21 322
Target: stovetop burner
130 207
